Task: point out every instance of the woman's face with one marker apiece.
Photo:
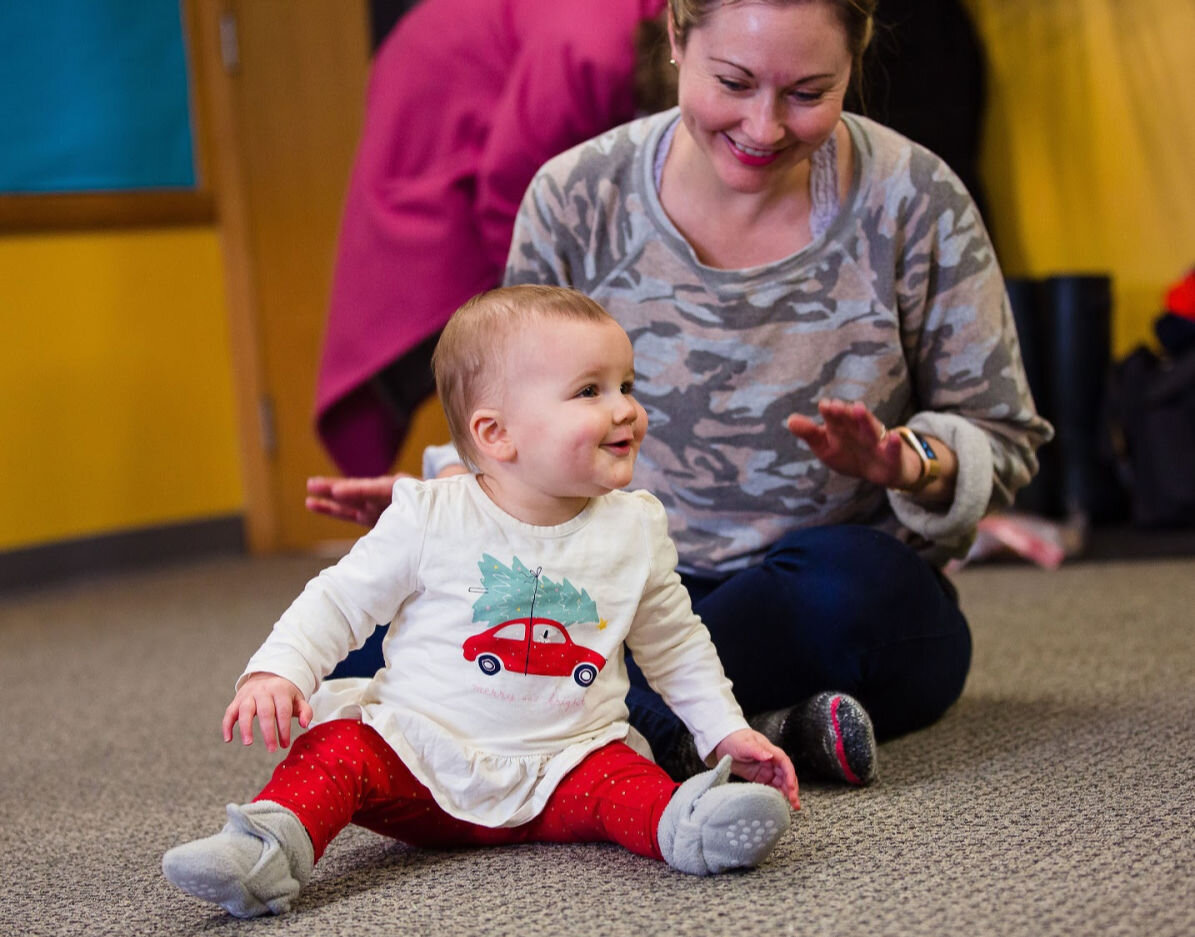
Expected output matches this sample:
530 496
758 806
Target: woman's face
761 86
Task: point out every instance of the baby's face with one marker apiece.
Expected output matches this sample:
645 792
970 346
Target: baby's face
569 409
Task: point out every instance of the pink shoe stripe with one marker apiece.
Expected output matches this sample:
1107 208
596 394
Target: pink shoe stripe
839 746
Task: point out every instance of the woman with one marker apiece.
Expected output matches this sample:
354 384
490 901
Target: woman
828 362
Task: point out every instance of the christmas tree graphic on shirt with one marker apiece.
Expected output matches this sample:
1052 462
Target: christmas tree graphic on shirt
528 617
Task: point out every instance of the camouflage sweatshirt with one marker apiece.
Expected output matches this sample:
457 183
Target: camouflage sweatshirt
900 303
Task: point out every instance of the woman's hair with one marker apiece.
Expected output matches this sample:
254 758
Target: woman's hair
655 75
857 18
469 362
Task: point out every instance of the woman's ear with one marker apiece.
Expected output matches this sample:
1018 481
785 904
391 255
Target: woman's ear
672 41
490 435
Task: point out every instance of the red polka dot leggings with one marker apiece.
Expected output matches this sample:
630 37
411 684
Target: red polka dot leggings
343 772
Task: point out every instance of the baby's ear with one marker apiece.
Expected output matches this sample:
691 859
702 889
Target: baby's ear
490 435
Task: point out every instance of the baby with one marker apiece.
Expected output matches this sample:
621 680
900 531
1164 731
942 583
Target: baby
500 716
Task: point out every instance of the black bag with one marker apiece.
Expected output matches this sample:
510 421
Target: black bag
1152 423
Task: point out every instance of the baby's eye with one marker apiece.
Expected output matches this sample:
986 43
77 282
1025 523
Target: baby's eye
589 390
627 387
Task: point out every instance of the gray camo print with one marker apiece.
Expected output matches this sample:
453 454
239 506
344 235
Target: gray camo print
901 304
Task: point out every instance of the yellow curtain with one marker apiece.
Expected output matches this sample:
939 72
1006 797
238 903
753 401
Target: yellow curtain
1089 144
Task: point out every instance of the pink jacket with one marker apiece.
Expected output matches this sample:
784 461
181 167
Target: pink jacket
467 98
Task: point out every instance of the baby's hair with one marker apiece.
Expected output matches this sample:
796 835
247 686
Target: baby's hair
469 359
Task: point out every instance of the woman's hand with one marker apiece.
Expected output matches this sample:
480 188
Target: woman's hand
850 440
351 499
274 700
756 759
359 499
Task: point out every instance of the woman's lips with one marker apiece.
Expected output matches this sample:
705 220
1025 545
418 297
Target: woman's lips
749 156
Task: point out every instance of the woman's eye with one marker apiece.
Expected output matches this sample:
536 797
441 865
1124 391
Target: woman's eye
731 84
808 97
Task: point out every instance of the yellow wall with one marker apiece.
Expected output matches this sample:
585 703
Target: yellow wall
116 389
116 392
1089 148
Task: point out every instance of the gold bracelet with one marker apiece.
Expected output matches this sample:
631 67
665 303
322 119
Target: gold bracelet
931 468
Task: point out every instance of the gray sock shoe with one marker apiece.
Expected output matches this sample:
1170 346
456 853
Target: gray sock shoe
256 865
710 826
828 735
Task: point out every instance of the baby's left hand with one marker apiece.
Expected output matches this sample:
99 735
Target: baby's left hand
754 758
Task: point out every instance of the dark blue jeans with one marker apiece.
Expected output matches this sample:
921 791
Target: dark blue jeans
830 608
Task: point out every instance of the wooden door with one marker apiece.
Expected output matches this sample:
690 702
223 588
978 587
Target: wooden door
282 84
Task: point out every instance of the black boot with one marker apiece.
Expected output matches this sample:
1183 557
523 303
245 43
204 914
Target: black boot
1043 495
1079 324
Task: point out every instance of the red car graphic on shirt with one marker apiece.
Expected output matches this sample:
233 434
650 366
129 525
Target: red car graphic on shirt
533 646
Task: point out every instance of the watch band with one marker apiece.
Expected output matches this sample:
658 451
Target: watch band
931 468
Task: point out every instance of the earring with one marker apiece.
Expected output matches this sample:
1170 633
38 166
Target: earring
672 61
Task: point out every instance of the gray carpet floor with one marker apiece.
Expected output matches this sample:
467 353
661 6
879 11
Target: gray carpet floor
1055 799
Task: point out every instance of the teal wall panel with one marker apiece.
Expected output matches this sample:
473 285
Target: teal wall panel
93 96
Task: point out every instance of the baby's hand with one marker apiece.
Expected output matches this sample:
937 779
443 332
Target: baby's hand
275 701
754 758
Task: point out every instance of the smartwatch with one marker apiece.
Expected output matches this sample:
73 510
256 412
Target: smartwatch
931 468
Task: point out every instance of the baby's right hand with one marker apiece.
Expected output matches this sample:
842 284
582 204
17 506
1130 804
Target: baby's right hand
275 701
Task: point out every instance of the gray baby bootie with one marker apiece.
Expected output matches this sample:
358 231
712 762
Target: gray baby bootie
256 864
710 826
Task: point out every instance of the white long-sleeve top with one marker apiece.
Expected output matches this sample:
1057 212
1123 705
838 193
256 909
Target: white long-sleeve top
489 718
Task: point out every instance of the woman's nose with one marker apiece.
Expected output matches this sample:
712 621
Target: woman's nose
763 123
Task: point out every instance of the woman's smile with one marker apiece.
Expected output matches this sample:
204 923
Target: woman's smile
750 156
